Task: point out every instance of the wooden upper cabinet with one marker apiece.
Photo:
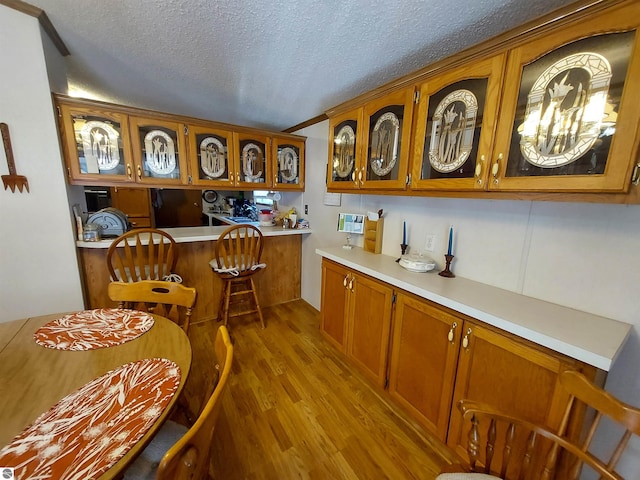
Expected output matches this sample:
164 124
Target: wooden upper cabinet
159 151
569 116
106 144
252 160
548 108
288 163
96 144
369 145
345 150
386 134
454 128
211 156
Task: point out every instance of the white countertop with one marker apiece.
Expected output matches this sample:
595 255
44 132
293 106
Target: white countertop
202 234
586 337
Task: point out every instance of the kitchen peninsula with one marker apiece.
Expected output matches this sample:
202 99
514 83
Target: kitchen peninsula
279 282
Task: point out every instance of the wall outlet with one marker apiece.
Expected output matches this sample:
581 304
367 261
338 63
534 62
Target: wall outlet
430 243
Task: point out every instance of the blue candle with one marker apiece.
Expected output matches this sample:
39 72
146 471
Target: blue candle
450 240
404 233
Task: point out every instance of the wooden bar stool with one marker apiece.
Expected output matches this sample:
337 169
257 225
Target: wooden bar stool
238 252
142 254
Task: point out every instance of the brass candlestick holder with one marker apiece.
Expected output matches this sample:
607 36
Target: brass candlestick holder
447 269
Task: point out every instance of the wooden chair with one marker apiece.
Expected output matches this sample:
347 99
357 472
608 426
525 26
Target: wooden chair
169 299
516 449
178 453
237 259
142 254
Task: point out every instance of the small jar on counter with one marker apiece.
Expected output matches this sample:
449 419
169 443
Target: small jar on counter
91 232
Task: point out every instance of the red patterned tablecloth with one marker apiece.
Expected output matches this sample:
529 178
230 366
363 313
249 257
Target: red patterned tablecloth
89 430
91 329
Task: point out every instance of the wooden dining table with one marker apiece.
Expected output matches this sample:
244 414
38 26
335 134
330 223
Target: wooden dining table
34 378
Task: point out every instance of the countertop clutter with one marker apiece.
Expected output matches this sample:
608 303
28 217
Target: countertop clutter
583 336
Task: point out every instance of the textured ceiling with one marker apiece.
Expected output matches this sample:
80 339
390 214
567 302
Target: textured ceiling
264 63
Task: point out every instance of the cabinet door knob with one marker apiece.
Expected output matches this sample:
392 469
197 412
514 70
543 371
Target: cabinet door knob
465 340
495 169
635 176
478 171
351 280
139 173
129 171
344 280
452 332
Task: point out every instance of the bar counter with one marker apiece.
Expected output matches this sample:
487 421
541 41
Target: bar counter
279 282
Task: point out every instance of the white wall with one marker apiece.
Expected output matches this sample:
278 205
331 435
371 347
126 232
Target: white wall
580 255
38 264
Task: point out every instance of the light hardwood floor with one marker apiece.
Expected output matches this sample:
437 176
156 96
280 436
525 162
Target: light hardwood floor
296 409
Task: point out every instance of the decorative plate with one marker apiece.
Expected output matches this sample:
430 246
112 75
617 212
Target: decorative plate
560 130
100 145
93 329
385 141
160 152
344 151
89 430
454 123
213 159
288 164
252 161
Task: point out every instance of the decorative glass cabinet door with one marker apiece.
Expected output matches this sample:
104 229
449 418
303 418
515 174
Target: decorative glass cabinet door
568 123
387 134
454 128
211 156
288 155
252 159
159 151
95 145
345 155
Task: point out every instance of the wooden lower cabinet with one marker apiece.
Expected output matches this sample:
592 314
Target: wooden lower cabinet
356 317
423 361
511 374
438 357
334 304
369 325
